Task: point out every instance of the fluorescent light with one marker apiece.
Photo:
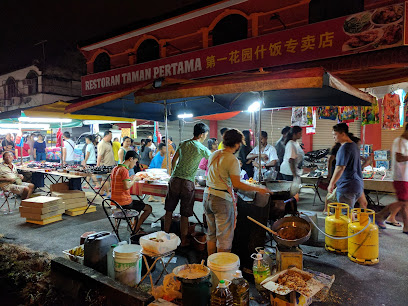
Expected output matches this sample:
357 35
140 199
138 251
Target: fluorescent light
25 126
254 107
45 120
184 116
6 131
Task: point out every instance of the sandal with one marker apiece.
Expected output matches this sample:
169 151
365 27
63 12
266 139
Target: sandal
85 187
380 224
395 223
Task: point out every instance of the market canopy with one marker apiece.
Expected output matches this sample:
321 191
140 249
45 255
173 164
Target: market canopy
235 92
57 110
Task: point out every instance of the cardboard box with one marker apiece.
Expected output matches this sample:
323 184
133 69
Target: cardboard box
59 187
383 163
80 210
69 194
284 296
41 210
41 201
382 155
39 217
45 221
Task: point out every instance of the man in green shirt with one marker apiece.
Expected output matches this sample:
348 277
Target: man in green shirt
181 185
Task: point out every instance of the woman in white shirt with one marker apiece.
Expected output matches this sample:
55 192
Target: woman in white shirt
90 159
293 155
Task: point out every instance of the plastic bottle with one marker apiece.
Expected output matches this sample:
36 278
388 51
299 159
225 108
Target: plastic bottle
261 270
240 289
265 256
221 296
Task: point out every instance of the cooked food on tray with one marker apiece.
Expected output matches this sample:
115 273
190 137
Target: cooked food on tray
388 14
363 39
292 232
357 23
295 281
392 34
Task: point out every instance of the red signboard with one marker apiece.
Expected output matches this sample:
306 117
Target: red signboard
366 31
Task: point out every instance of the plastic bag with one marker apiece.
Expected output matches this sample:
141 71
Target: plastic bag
170 290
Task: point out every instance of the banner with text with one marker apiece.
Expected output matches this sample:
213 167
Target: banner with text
366 31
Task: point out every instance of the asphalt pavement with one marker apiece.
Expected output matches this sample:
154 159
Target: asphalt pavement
383 284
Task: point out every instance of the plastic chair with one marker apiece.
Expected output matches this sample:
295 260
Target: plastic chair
7 195
129 215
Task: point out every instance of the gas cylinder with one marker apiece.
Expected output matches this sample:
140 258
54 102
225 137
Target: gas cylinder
337 225
364 247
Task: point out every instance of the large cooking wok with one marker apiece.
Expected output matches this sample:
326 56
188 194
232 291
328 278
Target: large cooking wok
289 223
288 226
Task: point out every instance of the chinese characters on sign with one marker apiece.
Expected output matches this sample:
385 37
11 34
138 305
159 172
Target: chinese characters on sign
307 43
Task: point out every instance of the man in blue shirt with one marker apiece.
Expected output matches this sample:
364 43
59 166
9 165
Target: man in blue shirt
347 174
157 160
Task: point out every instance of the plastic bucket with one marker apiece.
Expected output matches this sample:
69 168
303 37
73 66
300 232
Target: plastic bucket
128 264
223 266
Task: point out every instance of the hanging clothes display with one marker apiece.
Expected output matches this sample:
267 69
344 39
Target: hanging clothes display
302 116
59 138
370 114
312 129
328 112
391 117
348 113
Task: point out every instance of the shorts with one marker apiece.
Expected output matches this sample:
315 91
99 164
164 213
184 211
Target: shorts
348 198
135 205
401 189
220 216
180 190
16 189
287 177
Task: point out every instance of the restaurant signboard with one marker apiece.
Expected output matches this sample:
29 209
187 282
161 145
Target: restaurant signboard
372 30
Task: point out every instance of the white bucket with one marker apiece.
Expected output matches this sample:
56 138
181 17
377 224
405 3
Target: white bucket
223 265
128 264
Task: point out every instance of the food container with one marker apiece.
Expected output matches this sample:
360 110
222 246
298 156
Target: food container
76 258
159 242
282 295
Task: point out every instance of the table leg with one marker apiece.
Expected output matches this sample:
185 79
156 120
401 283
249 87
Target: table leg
317 192
149 269
164 267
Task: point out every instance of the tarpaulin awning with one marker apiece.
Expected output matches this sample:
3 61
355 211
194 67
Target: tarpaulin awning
304 87
57 110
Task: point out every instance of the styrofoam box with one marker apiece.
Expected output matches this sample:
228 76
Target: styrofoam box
170 242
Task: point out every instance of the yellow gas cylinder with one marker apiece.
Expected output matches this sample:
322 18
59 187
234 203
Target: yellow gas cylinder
364 247
336 225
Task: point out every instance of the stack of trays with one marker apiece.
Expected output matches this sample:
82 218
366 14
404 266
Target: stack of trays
75 202
42 210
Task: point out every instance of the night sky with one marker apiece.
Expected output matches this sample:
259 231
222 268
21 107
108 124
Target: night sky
67 23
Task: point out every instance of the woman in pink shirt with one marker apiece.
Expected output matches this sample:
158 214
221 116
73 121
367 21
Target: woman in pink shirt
212 146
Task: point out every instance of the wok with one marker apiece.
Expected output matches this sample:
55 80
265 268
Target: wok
287 222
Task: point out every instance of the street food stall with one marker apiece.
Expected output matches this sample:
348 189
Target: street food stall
171 98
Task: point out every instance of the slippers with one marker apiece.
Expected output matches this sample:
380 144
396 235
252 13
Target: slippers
396 224
85 187
380 224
